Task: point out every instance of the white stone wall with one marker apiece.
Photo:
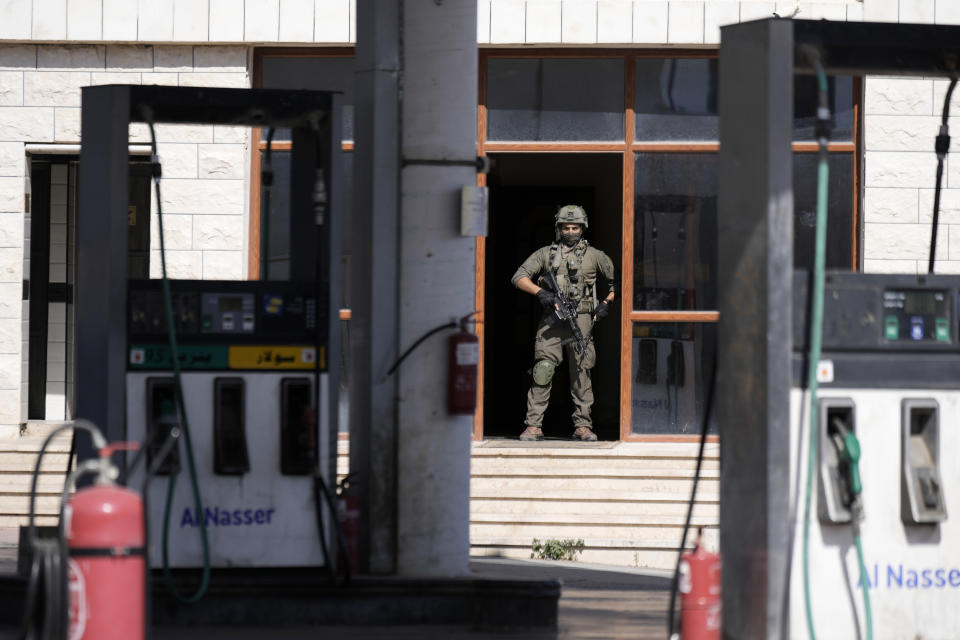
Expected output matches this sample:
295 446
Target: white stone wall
640 22
901 121
205 188
184 21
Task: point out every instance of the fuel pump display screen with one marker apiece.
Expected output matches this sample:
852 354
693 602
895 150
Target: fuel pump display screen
230 303
916 315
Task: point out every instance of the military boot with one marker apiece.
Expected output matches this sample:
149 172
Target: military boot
532 433
584 433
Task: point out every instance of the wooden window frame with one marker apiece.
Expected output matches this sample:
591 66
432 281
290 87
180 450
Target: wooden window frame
628 147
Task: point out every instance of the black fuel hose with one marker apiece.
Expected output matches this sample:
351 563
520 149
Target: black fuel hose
705 427
942 146
47 582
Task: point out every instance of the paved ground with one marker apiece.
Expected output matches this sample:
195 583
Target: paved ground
599 602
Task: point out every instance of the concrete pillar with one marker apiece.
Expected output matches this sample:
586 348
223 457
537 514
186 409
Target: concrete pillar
374 282
438 122
416 136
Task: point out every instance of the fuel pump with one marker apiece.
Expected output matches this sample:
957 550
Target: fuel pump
241 367
833 384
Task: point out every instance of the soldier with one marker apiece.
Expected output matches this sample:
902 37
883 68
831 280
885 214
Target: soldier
576 265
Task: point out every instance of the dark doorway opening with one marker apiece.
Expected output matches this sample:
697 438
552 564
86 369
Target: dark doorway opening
525 191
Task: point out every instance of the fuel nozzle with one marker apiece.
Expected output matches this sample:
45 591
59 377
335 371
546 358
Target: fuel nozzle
848 448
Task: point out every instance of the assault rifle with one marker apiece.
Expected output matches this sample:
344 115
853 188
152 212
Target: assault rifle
566 310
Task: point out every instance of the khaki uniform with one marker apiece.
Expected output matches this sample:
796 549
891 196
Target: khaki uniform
576 271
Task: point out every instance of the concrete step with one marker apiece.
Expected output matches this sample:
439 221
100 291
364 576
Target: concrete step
586 467
32 444
590 508
626 501
25 461
41 428
19 505
659 559
18 458
686 450
576 519
47 483
593 488
616 535
41 520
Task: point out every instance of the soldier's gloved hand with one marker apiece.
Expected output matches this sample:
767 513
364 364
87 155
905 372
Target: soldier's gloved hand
546 298
602 310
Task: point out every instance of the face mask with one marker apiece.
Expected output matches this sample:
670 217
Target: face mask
571 239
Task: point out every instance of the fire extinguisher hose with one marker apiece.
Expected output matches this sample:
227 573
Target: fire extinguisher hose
705 428
48 569
178 394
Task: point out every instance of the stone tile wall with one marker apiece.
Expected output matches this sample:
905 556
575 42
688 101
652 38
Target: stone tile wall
206 170
184 21
643 22
901 122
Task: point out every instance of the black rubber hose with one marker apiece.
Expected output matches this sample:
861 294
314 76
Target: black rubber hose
395 365
318 512
942 146
707 410
48 572
341 540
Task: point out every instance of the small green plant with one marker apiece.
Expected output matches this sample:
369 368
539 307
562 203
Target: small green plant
553 549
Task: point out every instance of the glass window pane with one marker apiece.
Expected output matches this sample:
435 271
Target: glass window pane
275 224
675 215
554 99
320 74
670 377
675 209
275 220
805 107
676 99
839 210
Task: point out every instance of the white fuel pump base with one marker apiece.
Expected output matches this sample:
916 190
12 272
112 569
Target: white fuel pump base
913 569
259 519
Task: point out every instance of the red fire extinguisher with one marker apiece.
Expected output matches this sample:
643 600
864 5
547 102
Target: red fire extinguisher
106 569
700 594
463 368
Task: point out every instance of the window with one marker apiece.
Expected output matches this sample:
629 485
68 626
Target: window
659 113
555 99
331 70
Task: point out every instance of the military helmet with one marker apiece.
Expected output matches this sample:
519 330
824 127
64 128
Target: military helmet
571 214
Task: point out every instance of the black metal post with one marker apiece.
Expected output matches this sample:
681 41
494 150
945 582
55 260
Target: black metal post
755 267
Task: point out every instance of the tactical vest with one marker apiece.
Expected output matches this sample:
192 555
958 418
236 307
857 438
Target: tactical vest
572 282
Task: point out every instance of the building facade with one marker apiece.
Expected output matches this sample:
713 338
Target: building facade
608 103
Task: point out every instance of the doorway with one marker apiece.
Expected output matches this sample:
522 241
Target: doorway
50 257
525 191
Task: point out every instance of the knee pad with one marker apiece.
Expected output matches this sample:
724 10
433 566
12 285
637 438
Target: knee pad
543 372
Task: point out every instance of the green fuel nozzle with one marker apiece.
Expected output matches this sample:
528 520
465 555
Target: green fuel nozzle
851 452
848 446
